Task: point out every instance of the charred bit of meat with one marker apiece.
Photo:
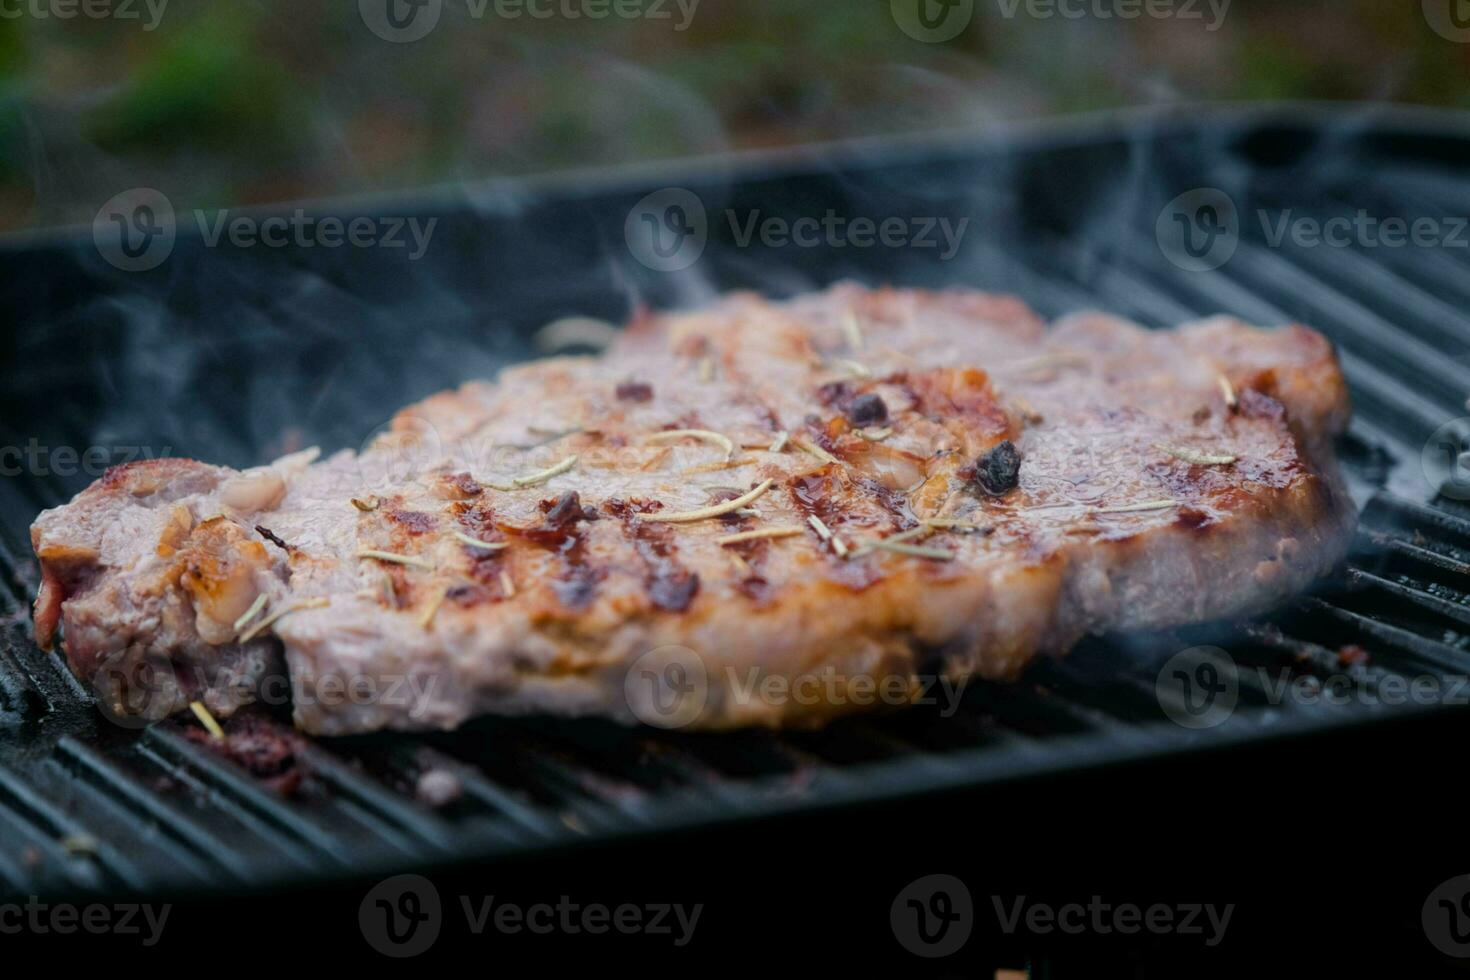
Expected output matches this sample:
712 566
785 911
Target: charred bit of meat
999 470
634 391
866 410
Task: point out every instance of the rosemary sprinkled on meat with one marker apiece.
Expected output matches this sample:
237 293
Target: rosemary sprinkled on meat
258 628
252 612
575 331
782 438
395 559
532 479
477 543
812 449
432 607
825 533
853 369
759 534
1196 458
729 464
1228 390
703 435
916 551
718 510
207 720
1145 507
954 524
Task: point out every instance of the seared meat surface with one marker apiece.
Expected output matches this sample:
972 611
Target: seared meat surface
858 486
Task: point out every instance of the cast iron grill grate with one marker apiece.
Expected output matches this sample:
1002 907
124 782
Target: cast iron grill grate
87 805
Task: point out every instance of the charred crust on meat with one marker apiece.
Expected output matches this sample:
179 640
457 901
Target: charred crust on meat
461 485
866 410
835 394
1255 405
1193 518
271 536
412 521
634 391
268 752
998 471
566 510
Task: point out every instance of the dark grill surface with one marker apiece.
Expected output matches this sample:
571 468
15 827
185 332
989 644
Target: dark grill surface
216 355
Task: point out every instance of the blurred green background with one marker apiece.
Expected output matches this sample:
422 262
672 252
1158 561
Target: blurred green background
228 102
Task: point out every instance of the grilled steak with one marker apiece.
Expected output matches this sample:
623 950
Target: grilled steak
856 487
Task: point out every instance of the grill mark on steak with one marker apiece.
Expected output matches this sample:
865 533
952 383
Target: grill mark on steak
575 584
669 584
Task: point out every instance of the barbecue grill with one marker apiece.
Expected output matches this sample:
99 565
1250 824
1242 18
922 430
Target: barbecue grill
232 355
